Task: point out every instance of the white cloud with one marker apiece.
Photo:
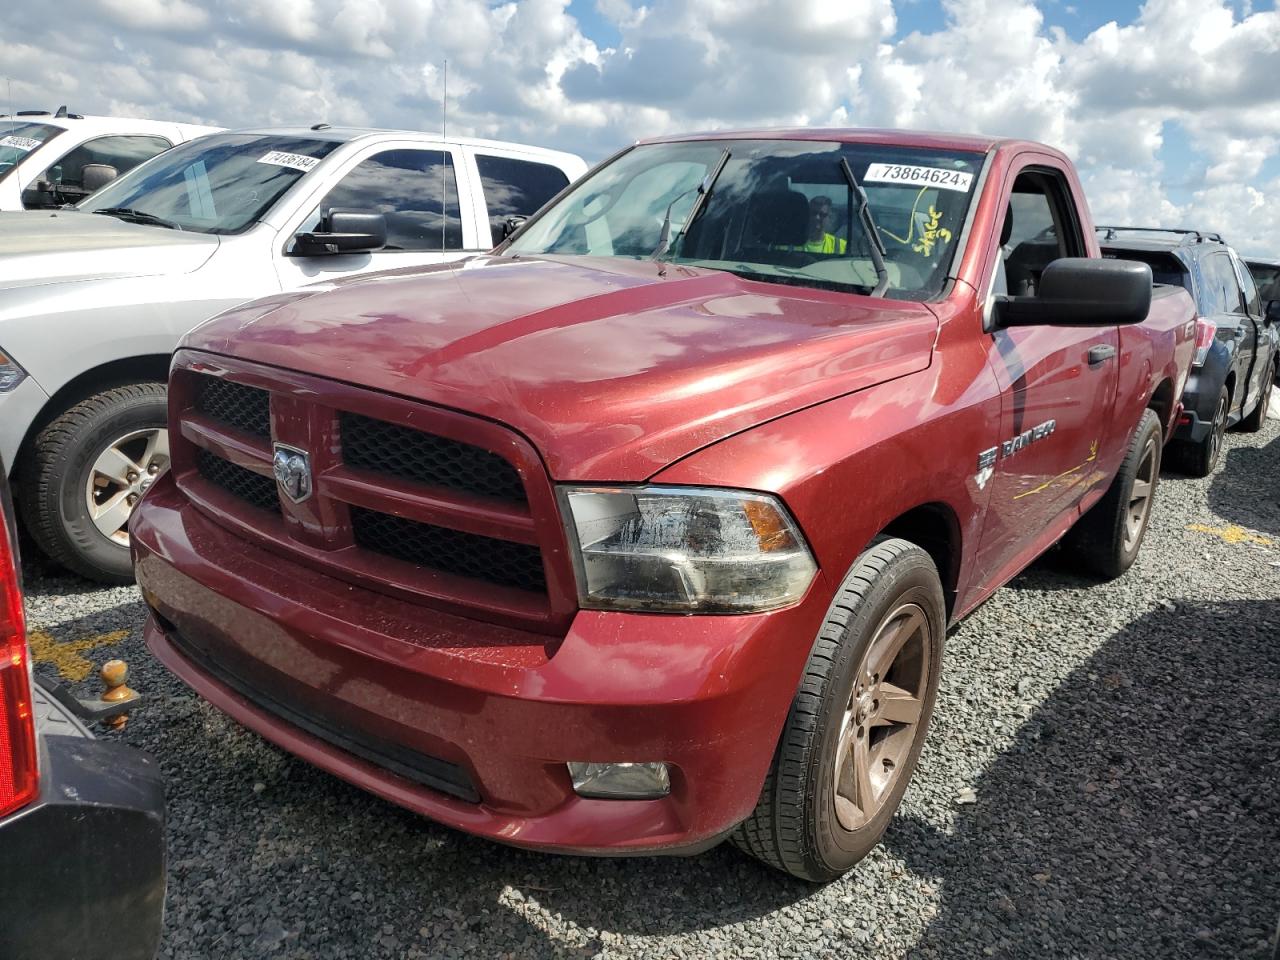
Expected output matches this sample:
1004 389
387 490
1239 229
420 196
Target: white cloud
525 70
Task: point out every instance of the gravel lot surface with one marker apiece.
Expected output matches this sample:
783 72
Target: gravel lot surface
1102 779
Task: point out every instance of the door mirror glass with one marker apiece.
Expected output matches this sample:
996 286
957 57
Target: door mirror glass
344 231
1082 292
1273 312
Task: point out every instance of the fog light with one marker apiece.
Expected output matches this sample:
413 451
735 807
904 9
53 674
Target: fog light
620 781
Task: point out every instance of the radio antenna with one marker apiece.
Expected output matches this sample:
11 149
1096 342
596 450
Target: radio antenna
444 147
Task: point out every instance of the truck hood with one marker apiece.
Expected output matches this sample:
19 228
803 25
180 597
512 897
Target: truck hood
610 368
61 245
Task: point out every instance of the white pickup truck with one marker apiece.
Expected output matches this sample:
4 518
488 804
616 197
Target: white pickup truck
94 299
50 159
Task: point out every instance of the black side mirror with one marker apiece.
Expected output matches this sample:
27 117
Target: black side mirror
1082 292
1272 315
511 224
344 231
95 176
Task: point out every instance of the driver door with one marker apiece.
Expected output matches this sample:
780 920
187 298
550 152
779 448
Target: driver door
423 193
1058 383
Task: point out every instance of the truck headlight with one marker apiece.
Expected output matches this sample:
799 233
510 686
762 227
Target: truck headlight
10 373
684 549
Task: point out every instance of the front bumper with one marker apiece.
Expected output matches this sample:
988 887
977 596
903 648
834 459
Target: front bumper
83 865
18 410
468 722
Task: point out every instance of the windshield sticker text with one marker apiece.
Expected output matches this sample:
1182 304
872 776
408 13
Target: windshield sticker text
19 143
295 161
919 176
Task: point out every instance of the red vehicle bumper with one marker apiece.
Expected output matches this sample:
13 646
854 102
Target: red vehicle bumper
388 694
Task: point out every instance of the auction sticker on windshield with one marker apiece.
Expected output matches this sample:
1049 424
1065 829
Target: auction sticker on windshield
919 176
19 143
294 160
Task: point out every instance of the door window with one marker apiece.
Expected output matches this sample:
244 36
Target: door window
417 192
66 176
1220 291
1253 303
516 188
1039 227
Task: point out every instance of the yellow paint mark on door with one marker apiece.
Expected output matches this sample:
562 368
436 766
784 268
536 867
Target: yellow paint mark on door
65 656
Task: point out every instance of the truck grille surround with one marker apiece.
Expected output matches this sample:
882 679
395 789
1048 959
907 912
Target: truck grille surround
417 501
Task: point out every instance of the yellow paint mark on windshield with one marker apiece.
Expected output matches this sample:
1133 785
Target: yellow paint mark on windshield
1232 534
65 656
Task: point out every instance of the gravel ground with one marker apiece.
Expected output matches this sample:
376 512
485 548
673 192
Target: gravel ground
1101 780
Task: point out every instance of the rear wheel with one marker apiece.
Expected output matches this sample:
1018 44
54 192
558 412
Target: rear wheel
1258 417
85 474
1199 459
1106 540
858 721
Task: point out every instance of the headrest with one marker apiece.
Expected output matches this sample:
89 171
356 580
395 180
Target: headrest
779 217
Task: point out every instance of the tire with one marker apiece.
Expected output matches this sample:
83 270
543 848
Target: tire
1199 459
1106 540
58 473
1256 420
800 824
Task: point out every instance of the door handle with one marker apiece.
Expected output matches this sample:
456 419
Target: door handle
1101 354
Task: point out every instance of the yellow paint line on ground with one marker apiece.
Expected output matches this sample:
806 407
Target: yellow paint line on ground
1232 534
65 656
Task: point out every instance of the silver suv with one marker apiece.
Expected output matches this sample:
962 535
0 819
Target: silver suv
93 299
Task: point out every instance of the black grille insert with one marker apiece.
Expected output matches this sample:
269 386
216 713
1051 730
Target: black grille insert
253 488
382 447
450 551
245 408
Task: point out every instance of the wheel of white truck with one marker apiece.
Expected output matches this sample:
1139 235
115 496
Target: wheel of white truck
85 473
857 724
1106 540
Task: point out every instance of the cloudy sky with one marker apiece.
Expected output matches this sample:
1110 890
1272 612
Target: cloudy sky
1170 107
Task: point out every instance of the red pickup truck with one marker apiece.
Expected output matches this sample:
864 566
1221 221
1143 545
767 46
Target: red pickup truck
646 529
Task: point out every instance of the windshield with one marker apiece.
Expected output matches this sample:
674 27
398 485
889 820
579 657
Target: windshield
19 139
780 211
216 184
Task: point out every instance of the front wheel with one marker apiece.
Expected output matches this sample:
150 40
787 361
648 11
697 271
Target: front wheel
86 471
858 721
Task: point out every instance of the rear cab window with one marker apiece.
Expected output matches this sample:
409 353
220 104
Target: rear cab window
516 187
17 140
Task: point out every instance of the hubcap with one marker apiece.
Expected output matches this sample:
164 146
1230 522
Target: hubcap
882 719
1140 495
123 472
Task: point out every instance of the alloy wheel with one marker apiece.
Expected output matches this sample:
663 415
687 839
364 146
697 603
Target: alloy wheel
882 719
121 474
1140 495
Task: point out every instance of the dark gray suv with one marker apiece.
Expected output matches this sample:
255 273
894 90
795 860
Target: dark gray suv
1236 345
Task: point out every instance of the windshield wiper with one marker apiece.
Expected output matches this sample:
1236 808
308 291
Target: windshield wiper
869 225
704 191
138 216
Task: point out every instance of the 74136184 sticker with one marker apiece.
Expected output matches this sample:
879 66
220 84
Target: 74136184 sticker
296 161
914 176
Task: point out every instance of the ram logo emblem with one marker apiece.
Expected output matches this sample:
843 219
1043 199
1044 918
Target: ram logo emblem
292 468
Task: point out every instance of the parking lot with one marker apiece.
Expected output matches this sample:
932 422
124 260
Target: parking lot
1100 780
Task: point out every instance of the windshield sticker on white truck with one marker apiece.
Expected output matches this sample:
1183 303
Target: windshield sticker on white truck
919 176
19 143
295 161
